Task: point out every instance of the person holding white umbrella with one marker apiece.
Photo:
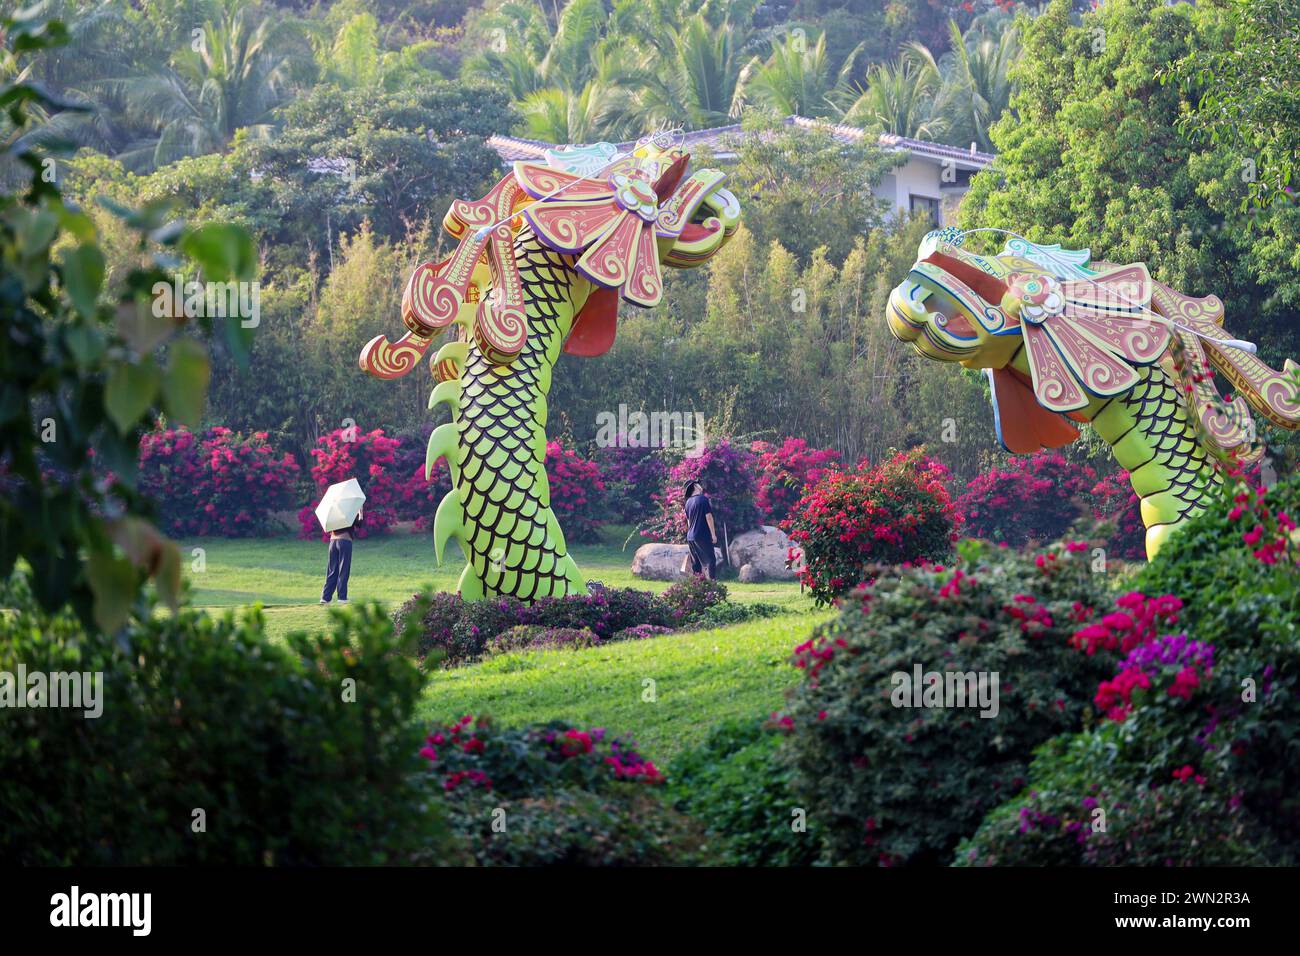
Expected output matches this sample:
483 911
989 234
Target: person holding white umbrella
339 513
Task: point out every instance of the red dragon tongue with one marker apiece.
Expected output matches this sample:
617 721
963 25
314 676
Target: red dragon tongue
667 183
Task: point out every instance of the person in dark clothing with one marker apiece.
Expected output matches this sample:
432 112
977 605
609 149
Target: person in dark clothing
340 562
700 532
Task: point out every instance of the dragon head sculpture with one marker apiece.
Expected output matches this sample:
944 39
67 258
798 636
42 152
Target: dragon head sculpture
1064 340
540 265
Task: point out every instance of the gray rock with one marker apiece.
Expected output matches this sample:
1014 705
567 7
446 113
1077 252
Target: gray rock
662 562
764 551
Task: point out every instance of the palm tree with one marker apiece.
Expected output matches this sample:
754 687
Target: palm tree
957 98
979 77
690 75
904 97
231 79
796 78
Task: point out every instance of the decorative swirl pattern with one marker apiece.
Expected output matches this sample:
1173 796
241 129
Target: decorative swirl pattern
389 360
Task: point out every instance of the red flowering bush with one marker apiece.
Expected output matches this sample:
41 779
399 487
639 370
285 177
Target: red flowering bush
727 472
1114 500
1034 498
577 490
895 512
784 472
366 456
219 482
898 749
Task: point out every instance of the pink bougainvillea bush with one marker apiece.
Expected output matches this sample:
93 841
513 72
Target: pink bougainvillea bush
784 471
1191 761
366 456
728 472
898 511
894 765
574 795
217 482
1114 501
1032 498
577 492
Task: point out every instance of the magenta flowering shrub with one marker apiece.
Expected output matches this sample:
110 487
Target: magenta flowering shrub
577 490
785 471
894 765
1114 500
1032 498
633 475
415 498
475 754
218 482
366 456
1194 760
572 796
728 473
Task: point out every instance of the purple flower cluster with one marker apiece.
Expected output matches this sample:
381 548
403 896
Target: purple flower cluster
1170 650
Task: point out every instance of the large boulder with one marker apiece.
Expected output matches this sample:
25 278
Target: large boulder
663 562
761 555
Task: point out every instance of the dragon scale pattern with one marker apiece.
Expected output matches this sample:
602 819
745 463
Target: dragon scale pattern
511 538
1152 437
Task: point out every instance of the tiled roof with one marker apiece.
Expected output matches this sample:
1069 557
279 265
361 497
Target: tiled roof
722 140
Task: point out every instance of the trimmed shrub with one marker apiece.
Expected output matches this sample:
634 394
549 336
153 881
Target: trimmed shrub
461 630
572 796
640 632
533 637
688 599
365 456
219 482
1035 498
784 471
735 786
728 613
207 712
891 783
899 511
728 474
577 492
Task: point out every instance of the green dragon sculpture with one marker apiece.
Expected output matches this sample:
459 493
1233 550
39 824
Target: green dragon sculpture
1065 340
541 263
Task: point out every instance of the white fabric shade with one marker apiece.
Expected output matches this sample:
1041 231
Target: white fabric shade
340 505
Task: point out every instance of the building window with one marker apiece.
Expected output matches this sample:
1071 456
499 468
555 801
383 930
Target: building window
926 206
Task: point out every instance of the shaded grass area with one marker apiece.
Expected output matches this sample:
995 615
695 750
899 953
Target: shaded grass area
667 691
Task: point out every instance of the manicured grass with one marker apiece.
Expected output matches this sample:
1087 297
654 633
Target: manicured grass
666 691
286 574
699 678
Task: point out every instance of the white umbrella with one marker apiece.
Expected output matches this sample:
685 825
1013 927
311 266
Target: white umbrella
341 505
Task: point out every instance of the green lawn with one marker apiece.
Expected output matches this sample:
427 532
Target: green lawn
698 678
286 574
667 691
